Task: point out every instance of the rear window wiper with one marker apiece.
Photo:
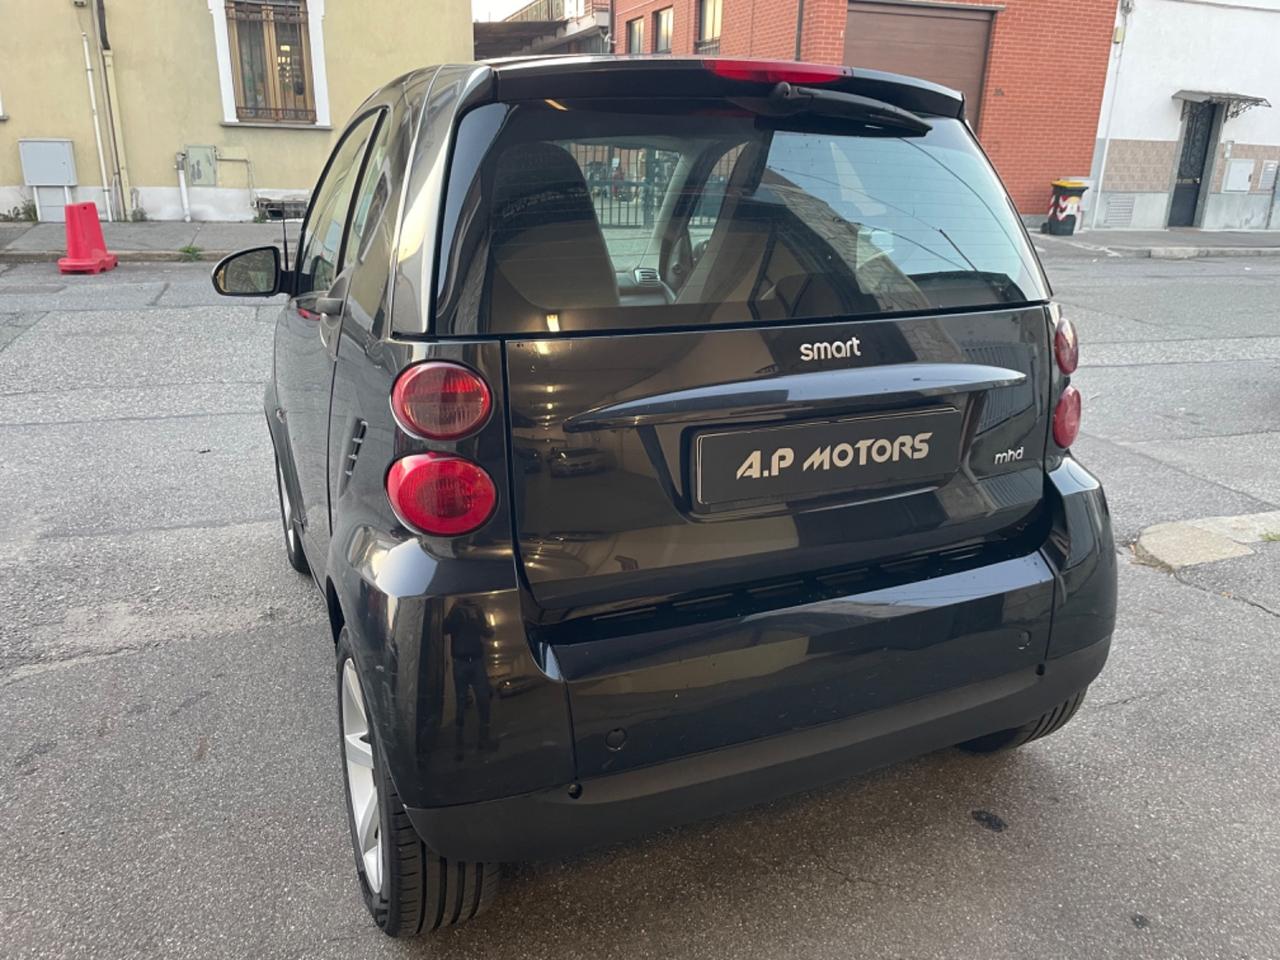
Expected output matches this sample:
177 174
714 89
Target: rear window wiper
787 100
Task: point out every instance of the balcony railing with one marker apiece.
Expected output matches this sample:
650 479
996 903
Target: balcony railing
541 10
707 46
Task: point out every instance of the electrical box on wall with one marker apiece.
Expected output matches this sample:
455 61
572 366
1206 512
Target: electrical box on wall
202 166
49 169
1239 176
47 162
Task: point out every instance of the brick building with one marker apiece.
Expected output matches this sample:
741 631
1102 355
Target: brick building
1033 71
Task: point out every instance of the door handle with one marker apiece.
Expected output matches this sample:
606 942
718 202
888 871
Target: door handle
329 311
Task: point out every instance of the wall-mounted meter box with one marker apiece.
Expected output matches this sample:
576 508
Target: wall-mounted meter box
202 166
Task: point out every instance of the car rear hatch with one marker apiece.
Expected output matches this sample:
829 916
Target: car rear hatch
720 458
755 343
745 339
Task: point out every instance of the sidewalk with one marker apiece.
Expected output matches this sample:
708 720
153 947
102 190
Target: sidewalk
163 240
152 241
1175 244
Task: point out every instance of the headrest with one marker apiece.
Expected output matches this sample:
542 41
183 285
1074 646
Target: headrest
545 239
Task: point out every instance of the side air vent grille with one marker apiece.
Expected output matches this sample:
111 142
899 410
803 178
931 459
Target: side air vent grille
647 276
354 446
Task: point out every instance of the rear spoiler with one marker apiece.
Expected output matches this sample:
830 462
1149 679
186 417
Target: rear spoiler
575 77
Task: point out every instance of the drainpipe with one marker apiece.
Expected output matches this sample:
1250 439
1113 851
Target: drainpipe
111 98
1126 8
180 161
799 26
1275 199
117 135
97 132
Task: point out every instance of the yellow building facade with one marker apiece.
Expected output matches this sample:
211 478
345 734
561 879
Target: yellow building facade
208 109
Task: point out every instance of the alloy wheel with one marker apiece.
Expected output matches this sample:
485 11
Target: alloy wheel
362 788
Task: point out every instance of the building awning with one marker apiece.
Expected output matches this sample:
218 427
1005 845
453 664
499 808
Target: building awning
1235 103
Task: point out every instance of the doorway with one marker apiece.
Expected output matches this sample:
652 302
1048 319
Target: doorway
1198 127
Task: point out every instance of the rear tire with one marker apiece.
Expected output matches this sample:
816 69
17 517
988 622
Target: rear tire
1047 723
407 888
292 541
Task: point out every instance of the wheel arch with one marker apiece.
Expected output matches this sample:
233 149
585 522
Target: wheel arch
278 428
337 620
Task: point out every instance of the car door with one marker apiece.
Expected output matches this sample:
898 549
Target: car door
308 329
359 393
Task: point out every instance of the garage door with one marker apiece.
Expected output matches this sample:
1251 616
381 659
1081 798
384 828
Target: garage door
947 45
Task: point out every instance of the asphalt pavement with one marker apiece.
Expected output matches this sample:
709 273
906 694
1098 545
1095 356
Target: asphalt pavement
171 784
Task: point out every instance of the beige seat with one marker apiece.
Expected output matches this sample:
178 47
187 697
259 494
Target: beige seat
546 248
748 259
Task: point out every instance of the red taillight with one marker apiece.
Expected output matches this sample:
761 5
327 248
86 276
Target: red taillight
1066 347
776 71
1066 418
441 401
440 494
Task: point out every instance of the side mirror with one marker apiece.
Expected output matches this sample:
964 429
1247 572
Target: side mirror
249 273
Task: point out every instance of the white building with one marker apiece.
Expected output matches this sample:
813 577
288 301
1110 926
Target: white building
1187 134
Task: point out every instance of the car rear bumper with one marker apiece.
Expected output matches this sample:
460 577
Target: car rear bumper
560 821
509 756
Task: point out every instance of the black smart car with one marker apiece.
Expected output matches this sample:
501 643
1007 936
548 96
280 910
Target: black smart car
803 402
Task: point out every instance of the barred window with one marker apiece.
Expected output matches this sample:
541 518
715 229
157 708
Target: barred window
271 60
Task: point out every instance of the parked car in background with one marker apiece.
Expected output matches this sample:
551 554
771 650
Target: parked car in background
850 528
575 462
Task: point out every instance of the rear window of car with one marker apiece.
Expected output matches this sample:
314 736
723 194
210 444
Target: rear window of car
608 216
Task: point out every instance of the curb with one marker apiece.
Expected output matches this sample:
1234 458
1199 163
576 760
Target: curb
1193 253
124 256
1168 253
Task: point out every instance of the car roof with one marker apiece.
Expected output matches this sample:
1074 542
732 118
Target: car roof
602 76
575 76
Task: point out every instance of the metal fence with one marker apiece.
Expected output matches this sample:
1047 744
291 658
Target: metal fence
539 10
624 203
624 183
627 185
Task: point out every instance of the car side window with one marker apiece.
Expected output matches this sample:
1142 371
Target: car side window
322 236
373 223
371 203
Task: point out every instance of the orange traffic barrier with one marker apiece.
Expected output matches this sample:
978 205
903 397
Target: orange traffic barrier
86 250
